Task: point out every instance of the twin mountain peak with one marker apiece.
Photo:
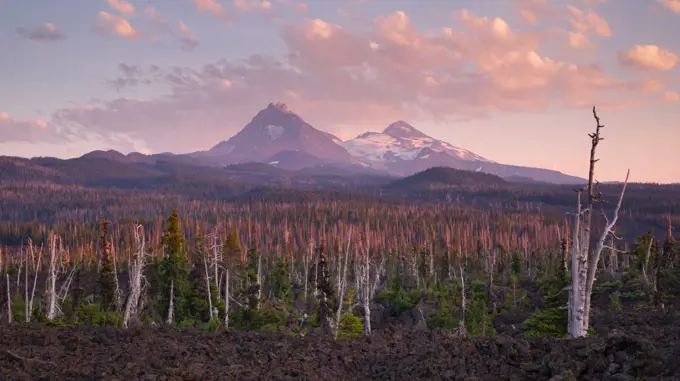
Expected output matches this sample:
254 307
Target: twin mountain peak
279 137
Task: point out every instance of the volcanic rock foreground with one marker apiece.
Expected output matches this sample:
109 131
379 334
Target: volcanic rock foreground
100 353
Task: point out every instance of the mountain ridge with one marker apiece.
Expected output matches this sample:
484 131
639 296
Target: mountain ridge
278 136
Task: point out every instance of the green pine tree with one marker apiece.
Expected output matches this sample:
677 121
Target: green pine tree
174 268
107 274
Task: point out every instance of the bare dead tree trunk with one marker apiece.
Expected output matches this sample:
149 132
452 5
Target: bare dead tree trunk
136 274
259 279
35 282
52 280
171 307
63 291
316 274
585 263
342 284
226 300
216 259
463 304
207 285
364 286
609 229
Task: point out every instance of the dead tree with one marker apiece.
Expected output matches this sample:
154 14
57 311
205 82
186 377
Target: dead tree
342 284
29 304
463 304
207 285
52 279
226 299
584 261
171 309
136 274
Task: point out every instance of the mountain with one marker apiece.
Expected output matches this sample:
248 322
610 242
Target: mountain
279 137
401 141
273 130
444 177
403 150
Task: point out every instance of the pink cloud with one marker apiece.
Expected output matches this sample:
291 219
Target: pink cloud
530 11
213 7
45 33
585 21
180 32
670 96
122 6
672 5
13 130
335 77
116 26
649 57
245 5
187 38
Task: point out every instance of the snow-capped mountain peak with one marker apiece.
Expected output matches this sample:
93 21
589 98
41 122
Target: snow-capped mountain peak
401 129
401 141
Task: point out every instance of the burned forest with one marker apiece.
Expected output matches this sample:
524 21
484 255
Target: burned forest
444 275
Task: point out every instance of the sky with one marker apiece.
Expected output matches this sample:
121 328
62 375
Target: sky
514 81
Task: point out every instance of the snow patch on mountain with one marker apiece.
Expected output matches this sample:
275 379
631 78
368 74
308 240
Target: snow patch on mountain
382 147
275 132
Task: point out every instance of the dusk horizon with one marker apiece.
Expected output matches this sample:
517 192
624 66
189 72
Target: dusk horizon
510 81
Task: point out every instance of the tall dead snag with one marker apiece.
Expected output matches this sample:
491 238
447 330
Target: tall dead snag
463 303
136 274
366 289
226 299
584 261
342 285
36 269
52 279
171 309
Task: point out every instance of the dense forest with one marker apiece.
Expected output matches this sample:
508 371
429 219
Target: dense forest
454 255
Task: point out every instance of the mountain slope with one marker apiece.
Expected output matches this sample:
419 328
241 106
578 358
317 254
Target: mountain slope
400 140
403 150
273 130
443 177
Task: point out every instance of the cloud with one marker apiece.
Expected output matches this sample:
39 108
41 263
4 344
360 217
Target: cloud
652 85
122 6
213 7
179 32
673 5
44 33
670 96
337 78
187 38
116 26
530 11
245 5
585 21
12 130
648 57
